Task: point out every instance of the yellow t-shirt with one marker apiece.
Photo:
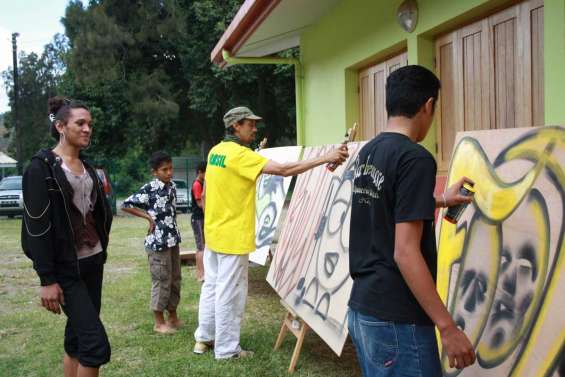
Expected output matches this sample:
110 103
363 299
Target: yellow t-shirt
229 212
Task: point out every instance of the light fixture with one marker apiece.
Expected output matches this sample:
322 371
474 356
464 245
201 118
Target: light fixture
407 15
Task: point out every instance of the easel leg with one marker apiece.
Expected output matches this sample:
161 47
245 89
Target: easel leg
298 347
282 333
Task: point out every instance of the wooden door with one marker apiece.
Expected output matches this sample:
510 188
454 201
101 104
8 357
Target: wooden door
492 75
372 82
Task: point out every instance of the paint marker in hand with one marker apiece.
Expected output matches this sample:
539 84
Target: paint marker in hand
349 137
262 144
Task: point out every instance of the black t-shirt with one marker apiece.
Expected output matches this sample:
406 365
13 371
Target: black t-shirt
394 183
197 212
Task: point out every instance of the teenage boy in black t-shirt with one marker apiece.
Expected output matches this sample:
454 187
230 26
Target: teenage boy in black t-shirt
394 304
197 219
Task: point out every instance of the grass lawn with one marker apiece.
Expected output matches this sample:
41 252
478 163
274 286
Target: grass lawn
31 339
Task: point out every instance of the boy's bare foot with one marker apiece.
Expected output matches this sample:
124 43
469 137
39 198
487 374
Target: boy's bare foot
164 329
175 324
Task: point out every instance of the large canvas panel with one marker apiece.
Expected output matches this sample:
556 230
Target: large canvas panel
501 267
310 269
271 193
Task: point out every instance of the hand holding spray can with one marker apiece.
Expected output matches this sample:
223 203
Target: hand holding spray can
454 212
261 145
349 137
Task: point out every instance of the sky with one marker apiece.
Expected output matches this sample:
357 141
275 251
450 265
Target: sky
37 21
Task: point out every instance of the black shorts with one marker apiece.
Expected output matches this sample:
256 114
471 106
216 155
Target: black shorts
198 229
85 336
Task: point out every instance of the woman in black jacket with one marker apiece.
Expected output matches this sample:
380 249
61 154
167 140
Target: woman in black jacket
65 232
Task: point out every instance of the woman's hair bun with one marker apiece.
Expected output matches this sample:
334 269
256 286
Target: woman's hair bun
55 103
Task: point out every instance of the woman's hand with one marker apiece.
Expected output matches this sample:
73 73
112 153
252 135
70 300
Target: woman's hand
52 297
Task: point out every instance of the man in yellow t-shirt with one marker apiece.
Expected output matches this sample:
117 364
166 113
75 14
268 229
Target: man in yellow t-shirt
229 229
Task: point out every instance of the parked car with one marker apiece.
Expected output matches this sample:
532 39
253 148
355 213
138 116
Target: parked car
11 196
107 187
183 195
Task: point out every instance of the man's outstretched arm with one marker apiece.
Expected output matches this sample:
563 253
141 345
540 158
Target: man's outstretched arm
337 156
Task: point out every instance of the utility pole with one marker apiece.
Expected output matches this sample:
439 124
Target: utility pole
16 118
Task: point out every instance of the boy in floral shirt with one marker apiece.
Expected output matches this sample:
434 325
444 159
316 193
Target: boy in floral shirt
156 202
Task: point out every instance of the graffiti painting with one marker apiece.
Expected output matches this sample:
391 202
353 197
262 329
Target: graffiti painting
500 268
310 269
271 193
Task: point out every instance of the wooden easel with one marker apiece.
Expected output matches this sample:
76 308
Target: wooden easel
298 328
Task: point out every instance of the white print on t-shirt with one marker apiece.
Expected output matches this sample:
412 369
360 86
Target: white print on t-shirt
377 178
364 201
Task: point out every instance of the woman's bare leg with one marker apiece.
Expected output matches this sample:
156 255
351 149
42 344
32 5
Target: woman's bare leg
70 366
87 371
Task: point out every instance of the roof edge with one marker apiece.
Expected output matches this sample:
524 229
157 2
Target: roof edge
248 18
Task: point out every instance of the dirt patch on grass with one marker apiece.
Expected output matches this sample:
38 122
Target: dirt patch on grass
258 285
321 351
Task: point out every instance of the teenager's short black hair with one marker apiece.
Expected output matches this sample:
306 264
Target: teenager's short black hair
408 89
201 167
159 158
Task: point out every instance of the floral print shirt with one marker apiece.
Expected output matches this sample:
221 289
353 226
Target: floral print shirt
159 201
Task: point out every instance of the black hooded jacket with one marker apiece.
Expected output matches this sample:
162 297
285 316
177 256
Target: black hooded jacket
47 228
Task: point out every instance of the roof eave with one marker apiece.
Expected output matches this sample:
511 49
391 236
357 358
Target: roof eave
248 18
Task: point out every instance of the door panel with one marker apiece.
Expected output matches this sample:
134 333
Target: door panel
492 75
372 97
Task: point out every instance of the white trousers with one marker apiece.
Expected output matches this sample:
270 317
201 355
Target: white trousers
222 302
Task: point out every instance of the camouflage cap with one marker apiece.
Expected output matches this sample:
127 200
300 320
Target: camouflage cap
238 113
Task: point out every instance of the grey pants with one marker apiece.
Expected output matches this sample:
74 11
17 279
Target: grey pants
165 279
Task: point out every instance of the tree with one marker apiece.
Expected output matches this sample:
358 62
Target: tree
123 60
4 134
39 77
153 58
143 68
267 89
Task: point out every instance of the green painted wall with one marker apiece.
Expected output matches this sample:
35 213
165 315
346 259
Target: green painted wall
554 61
332 51
357 33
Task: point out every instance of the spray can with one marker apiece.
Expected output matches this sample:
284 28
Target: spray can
454 212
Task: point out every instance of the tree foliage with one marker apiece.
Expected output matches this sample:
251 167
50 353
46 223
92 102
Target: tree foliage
144 68
39 78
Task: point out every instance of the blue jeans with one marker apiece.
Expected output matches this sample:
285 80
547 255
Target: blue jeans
387 349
